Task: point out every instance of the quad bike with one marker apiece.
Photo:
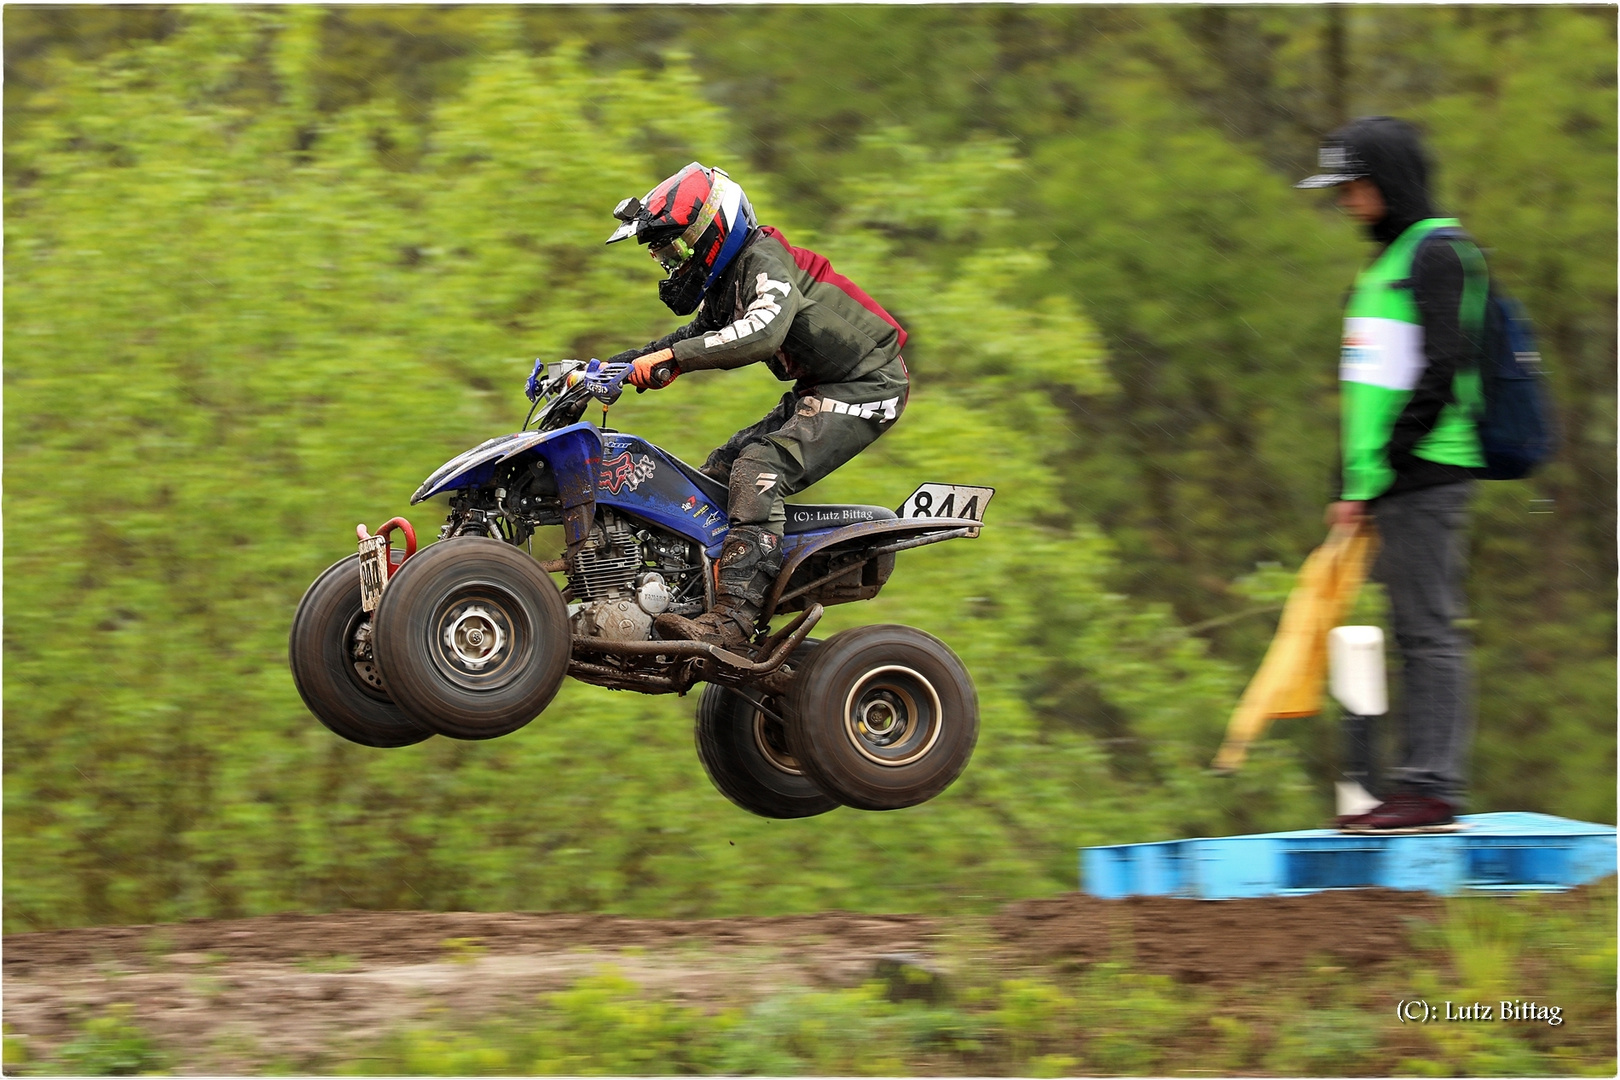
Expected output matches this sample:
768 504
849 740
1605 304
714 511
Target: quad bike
471 636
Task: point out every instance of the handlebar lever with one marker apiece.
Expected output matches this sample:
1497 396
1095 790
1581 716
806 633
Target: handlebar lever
617 381
608 390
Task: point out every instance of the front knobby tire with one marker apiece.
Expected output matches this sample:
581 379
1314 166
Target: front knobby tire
473 638
883 717
335 673
745 751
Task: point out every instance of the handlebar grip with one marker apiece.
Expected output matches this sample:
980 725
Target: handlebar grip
662 375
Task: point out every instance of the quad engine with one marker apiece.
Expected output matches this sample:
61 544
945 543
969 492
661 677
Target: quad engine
623 576
620 578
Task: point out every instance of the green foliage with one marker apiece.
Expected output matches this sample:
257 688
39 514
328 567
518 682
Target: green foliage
109 1044
1128 1014
603 1025
15 1050
311 328
1029 1009
857 1032
1326 1042
265 268
211 326
337 962
1551 948
1157 151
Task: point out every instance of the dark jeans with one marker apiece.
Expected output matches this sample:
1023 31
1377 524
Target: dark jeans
1422 560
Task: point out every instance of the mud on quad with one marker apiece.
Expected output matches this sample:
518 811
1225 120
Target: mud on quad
471 637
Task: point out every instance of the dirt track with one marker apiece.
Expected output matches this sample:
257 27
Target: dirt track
231 995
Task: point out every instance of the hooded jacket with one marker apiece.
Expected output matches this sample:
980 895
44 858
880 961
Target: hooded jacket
1395 161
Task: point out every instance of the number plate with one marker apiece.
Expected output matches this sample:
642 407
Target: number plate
947 501
373 570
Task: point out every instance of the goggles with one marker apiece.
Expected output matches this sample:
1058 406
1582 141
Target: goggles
673 255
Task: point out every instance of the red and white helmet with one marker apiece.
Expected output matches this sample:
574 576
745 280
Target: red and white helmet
693 224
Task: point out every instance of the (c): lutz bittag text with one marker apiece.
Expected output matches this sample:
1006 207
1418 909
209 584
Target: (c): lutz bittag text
1417 1011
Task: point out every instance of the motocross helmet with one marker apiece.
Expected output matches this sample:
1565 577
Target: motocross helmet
693 224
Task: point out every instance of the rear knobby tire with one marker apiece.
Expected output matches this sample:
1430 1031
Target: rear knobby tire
745 751
345 691
473 638
883 717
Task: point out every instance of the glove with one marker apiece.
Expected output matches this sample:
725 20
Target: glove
654 371
623 357
532 387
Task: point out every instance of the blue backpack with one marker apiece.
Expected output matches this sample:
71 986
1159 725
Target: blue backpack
1516 429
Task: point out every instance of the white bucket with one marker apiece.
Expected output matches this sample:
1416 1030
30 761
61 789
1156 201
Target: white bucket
1356 669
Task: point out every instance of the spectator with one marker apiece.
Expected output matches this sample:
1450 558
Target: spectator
1409 394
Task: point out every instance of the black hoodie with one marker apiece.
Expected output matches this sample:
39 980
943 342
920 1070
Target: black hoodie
1392 152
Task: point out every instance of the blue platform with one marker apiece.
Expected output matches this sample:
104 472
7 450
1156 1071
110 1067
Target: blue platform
1511 851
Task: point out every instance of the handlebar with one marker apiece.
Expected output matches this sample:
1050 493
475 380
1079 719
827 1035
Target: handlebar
570 384
662 375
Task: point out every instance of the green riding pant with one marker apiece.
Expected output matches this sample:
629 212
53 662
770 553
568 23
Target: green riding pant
810 433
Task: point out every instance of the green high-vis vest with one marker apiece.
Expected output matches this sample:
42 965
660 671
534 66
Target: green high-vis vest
1382 360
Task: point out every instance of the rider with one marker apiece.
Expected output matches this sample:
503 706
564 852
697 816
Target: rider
759 299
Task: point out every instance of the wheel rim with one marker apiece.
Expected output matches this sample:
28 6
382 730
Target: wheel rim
477 636
892 716
770 738
357 642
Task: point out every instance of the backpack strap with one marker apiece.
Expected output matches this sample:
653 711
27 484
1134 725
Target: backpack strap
1476 277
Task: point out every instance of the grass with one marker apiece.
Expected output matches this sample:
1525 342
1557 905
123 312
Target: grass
108 1043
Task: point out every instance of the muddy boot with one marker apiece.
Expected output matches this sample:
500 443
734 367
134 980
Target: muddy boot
749 562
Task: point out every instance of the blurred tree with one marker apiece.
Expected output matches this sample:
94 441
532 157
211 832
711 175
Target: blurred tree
258 253
1160 145
238 323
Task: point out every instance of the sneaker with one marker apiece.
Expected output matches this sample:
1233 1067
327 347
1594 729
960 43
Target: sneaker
1345 822
1406 813
1354 803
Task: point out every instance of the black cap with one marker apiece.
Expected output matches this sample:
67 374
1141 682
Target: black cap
1339 164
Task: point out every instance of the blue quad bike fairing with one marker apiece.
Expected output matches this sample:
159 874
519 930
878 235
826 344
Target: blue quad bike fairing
644 480
630 474
573 452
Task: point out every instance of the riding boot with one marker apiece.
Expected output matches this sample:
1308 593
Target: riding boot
749 562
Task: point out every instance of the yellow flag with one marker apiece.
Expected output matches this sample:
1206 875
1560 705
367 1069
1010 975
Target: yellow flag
1293 674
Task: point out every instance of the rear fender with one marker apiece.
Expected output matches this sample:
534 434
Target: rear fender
878 534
